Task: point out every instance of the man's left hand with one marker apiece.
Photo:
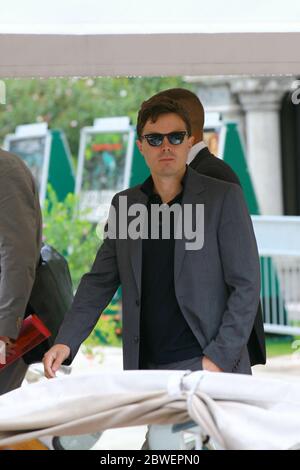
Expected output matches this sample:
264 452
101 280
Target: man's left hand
209 365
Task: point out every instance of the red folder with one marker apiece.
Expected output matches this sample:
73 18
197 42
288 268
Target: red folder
32 333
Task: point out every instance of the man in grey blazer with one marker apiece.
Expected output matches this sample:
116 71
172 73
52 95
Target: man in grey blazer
20 243
189 296
204 162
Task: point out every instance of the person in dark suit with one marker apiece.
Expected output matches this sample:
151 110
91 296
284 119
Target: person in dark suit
184 307
204 162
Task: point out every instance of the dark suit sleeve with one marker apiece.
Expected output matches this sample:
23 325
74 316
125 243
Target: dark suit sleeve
95 291
240 262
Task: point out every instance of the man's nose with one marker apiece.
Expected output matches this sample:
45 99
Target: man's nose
165 143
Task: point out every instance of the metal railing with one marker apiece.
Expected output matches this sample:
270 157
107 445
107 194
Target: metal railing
278 241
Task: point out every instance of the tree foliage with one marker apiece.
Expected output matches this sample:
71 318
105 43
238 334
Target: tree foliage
72 103
65 228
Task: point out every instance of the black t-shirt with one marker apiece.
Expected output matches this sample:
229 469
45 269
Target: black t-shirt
165 334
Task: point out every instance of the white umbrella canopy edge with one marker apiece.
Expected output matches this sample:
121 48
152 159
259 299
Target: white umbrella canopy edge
148 55
135 38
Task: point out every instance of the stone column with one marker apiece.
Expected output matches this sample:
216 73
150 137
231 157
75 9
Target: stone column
261 100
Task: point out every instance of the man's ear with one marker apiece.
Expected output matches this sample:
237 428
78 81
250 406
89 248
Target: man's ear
191 141
139 145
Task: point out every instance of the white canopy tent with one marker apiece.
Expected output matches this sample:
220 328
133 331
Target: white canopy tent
194 37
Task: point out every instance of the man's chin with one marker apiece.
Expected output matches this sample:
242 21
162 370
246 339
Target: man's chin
170 170
167 172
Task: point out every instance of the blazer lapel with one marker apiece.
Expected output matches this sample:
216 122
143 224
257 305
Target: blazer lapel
193 194
135 246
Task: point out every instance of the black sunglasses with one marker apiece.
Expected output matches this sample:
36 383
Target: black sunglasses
156 139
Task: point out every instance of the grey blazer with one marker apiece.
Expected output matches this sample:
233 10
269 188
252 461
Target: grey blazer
217 287
20 241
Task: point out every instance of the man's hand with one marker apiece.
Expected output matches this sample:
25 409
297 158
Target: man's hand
9 344
54 358
209 365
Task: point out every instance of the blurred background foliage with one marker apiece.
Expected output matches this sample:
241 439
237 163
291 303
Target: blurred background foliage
66 229
72 103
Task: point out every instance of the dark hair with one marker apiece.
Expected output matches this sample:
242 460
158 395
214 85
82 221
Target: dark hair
190 102
179 94
155 107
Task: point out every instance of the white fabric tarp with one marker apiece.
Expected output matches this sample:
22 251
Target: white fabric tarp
238 412
194 37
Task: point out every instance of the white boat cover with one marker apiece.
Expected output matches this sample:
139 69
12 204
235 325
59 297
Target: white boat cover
237 411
